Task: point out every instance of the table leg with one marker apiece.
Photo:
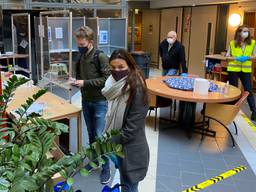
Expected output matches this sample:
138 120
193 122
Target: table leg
203 127
187 112
79 132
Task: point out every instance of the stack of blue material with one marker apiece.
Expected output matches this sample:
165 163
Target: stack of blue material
186 84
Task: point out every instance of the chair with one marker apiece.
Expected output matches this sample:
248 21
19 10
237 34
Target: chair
156 102
225 114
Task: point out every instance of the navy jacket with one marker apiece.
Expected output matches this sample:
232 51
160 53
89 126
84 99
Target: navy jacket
173 58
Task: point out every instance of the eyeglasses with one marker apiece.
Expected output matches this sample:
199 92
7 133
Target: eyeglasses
116 188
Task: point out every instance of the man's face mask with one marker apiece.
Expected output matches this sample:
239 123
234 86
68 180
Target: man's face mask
170 40
83 50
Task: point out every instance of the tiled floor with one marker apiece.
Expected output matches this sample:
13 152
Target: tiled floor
178 163
187 162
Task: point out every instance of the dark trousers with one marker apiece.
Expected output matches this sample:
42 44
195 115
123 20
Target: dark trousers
94 116
247 84
128 186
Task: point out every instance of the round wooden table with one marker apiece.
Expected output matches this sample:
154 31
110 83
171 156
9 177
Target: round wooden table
157 87
188 100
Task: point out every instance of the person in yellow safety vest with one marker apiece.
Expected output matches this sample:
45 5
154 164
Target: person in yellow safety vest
242 48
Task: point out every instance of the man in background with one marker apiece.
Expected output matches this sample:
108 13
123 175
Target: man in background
172 54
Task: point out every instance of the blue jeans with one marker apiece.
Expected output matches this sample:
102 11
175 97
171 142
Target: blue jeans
169 72
247 84
94 116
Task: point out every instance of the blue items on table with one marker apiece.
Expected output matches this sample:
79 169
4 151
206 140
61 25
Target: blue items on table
242 58
186 84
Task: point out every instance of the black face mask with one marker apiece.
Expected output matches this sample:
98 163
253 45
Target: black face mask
83 50
117 75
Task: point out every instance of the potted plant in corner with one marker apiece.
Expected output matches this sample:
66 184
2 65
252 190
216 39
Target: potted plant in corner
26 142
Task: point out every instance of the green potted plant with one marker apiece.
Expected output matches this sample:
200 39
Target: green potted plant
26 141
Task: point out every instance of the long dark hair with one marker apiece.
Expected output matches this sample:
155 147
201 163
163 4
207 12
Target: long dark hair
238 38
135 78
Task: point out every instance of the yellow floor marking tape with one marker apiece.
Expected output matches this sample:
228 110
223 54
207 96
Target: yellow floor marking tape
249 122
216 179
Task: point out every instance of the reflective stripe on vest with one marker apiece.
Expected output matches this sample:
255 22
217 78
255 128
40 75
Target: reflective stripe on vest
237 66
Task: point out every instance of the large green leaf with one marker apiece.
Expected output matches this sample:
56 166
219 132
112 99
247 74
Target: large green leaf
63 173
10 175
100 160
84 172
109 147
89 153
118 148
27 167
29 184
47 140
16 150
70 181
96 147
8 154
4 183
92 164
62 127
104 147
120 154
34 139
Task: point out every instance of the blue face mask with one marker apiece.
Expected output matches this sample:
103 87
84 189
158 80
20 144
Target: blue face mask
83 50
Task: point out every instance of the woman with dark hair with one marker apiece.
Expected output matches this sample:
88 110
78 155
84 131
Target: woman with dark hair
242 48
126 92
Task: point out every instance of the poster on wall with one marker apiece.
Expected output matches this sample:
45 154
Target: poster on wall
24 44
103 39
137 35
49 33
41 30
150 29
187 26
58 32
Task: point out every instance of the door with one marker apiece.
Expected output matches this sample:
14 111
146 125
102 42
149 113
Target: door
150 33
171 20
203 24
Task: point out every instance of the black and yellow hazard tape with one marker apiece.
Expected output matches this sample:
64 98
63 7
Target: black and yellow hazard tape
253 127
216 179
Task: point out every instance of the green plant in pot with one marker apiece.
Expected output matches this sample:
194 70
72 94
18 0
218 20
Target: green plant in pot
26 141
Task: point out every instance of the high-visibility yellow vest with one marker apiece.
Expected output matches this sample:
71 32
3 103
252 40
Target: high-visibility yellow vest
237 66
